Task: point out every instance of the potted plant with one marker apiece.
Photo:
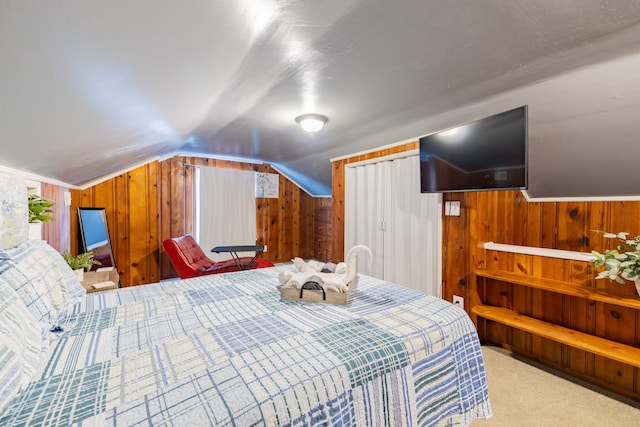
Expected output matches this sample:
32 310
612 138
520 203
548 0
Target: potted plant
39 209
80 263
621 263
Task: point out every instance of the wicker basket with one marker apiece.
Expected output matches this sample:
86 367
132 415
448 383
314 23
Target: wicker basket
313 295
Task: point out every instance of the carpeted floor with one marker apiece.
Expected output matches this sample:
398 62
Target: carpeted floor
523 394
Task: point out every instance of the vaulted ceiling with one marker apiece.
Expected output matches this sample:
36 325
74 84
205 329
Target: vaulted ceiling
89 88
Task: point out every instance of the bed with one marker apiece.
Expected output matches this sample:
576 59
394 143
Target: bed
225 350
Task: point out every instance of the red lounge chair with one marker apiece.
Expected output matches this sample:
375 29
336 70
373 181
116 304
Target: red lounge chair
189 260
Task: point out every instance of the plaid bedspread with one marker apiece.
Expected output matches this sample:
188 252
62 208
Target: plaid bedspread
224 350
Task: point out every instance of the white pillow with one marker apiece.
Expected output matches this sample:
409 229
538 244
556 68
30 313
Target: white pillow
22 344
71 288
37 289
14 211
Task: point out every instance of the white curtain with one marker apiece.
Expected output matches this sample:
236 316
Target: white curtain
385 210
226 209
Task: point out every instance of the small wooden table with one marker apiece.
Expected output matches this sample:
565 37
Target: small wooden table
233 250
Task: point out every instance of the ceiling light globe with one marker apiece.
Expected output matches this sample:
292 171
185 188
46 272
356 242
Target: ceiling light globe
311 123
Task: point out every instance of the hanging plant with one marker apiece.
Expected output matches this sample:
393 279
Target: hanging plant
39 208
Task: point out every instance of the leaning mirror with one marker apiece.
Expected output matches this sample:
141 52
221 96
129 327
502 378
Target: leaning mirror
94 236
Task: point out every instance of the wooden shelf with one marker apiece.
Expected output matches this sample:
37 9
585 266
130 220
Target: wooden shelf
583 341
560 287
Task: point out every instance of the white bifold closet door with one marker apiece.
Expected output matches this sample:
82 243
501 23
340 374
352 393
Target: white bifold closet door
385 211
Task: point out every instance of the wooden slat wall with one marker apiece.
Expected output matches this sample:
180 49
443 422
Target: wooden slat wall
56 231
154 202
322 229
506 217
131 205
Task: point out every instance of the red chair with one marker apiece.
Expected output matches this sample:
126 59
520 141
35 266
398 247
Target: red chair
189 260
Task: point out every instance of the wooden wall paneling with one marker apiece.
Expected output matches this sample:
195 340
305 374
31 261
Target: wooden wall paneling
534 224
155 202
521 300
322 229
277 219
475 230
111 195
118 214
615 373
178 197
337 211
459 279
483 227
548 227
619 324
581 316
262 219
308 208
164 193
550 306
275 231
283 230
56 231
623 216
502 217
77 199
189 196
287 224
572 226
144 242
172 208
300 224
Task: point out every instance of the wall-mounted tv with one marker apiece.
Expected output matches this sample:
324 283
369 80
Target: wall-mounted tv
487 154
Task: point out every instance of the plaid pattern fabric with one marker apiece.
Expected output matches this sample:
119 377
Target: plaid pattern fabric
224 350
43 280
72 289
36 287
22 344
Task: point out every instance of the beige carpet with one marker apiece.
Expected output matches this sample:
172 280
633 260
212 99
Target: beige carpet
523 394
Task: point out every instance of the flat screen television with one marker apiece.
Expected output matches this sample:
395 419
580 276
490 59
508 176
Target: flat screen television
487 154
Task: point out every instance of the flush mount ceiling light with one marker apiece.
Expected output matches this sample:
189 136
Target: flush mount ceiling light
311 123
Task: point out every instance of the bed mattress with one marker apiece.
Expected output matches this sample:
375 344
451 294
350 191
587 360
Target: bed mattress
224 350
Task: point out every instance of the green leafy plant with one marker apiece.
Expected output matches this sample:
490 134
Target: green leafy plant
620 263
81 261
39 208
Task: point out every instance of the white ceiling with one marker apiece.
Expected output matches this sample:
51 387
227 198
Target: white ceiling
89 88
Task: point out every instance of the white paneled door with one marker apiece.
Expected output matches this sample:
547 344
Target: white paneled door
385 210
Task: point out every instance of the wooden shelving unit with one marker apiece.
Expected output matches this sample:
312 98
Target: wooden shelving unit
560 287
593 344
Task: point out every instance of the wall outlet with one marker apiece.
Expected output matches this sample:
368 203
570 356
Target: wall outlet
459 301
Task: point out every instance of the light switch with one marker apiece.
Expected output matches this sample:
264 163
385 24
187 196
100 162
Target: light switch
452 208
